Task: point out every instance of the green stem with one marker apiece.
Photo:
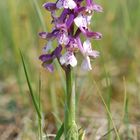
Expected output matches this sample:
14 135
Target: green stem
70 128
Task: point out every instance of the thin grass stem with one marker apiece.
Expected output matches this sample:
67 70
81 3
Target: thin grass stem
108 111
40 14
125 108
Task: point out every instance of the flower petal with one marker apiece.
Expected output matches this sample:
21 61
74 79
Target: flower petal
93 53
79 43
97 8
59 4
69 4
70 20
81 21
57 51
47 47
68 59
48 66
51 35
45 57
88 49
79 9
73 61
93 6
87 46
49 6
95 35
86 64
63 15
43 35
63 39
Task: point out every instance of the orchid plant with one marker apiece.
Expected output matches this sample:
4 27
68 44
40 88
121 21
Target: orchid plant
73 21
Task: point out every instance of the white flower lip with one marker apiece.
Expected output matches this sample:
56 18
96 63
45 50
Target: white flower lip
68 59
59 4
86 65
64 39
66 4
87 49
82 20
69 4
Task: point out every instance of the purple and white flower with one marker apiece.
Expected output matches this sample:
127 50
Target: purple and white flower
87 52
47 59
68 59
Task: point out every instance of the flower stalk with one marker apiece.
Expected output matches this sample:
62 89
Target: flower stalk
70 127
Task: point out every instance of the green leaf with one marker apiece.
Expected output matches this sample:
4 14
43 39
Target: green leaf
30 87
60 132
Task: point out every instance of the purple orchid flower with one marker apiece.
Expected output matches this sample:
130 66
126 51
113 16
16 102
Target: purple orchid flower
47 59
87 52
73 21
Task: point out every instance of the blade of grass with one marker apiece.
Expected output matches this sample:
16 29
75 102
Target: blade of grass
39 92
39 102
40 120
108 111
109 93
127 21
39 14
9 41
30 87
125 108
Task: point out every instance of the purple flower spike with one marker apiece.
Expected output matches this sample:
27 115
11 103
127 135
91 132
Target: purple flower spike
68 26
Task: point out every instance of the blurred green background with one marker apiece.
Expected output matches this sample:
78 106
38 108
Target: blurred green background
115 74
